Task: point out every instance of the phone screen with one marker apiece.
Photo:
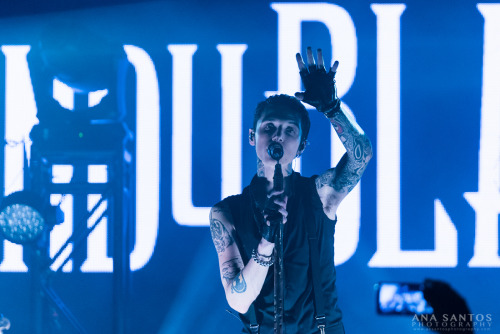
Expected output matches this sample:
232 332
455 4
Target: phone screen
401 298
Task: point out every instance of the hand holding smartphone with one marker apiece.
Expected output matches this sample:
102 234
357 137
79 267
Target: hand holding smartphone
400 298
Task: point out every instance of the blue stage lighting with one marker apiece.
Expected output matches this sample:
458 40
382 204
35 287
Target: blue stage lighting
24 216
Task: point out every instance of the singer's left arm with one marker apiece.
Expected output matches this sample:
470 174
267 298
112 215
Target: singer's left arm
335 183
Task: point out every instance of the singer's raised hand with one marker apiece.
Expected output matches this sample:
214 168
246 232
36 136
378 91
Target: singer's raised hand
320 88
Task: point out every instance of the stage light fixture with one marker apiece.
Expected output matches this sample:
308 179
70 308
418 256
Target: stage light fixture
79 81
24 216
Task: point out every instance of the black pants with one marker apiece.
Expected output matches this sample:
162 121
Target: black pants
338 328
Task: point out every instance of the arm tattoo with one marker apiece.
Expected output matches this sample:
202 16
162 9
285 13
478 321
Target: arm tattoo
231 268
220 209
239 285
354 162
221 237
347 176
325 178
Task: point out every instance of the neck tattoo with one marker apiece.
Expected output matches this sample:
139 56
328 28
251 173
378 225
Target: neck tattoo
260 168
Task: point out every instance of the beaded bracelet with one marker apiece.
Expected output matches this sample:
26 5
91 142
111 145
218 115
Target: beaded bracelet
263 260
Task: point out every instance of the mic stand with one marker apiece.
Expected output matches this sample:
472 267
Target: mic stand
278 265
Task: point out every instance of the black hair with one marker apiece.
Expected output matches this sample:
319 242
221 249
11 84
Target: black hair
292 104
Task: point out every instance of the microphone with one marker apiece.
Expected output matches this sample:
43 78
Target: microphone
275 150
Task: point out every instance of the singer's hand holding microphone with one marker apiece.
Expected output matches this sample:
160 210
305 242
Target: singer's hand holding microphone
275 208
274 211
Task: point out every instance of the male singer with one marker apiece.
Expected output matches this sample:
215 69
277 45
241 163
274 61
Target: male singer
244 227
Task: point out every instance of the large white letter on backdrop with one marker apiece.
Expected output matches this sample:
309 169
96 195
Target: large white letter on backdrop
183 210
147 156
389 253
486 201
20 116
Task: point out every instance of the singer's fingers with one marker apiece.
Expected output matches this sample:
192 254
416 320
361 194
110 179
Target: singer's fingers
334 66
280 202
321 62
310 57
299 96
300 62
269 223
283 212
275 193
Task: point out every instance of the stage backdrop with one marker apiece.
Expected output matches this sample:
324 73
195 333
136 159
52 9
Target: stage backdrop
421 77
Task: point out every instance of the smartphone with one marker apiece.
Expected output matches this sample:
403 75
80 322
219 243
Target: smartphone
401 298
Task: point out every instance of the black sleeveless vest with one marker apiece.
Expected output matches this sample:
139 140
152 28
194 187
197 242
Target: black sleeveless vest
303 203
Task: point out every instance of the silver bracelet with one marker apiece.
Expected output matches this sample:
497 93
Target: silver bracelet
263 260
